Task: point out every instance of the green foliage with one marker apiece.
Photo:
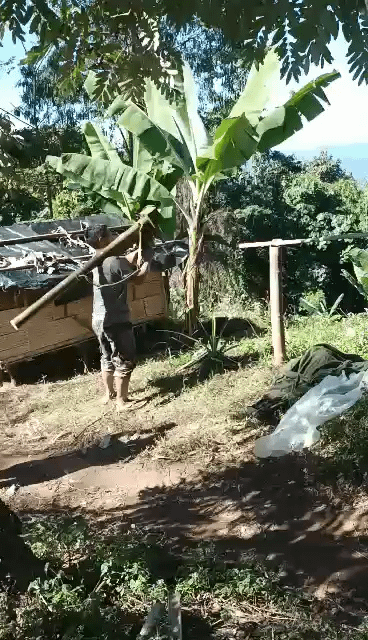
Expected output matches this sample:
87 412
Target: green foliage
218 66
326 168
177 303
359 258
105 174
49 139
348 334
56 540
127 43
344 444
11 144
324 207
105 588
46 100
250 126
18 204
204 575
27 185
335 212
96 588
24 194
222 287
321 308
284 121
73 204
280 197
209 351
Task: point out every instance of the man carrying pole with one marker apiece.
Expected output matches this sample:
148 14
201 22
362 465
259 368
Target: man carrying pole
111 317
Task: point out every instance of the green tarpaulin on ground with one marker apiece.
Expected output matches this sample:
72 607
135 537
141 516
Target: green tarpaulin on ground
300 375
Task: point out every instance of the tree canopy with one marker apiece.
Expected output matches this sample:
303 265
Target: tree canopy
44 101
124 41
220 67
282 197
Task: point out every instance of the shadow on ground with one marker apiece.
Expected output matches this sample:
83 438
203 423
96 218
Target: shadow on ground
119 449
178 382
17 562
275 509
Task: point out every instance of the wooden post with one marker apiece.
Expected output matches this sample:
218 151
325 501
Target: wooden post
277 320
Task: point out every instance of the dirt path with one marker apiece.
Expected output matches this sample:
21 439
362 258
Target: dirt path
183 464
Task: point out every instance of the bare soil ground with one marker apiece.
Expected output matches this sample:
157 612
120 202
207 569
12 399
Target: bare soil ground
180 460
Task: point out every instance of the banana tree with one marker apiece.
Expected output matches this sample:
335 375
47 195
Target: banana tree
171 143
359 259
175 133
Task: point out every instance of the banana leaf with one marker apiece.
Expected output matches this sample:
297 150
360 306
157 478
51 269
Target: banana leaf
115 180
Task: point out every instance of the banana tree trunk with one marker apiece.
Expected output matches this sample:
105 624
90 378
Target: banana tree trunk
192 278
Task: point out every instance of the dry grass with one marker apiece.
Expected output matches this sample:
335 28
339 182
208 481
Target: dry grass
50 417
63 415
207 426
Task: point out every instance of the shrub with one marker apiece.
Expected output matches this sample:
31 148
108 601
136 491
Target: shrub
73 204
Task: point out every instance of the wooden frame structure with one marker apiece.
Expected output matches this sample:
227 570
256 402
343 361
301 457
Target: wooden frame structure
276 284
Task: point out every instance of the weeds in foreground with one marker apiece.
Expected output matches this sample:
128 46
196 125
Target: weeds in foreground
99 588
348 334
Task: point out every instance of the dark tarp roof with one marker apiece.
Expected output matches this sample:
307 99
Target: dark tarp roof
167 255
32 279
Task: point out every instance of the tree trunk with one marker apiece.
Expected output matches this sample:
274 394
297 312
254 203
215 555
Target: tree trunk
192 278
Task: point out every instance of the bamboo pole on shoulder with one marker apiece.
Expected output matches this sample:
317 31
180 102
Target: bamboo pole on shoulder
277 320
121 243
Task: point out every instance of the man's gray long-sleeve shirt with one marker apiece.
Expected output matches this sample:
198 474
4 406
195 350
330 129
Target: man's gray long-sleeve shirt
110 304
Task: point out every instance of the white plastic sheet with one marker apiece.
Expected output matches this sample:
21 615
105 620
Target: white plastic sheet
298 429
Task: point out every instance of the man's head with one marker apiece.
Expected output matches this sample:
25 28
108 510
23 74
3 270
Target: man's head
98 236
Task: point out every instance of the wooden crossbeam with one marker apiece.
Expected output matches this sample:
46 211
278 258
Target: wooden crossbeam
300 241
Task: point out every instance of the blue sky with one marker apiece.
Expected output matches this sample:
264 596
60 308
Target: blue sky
342 130
9 94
